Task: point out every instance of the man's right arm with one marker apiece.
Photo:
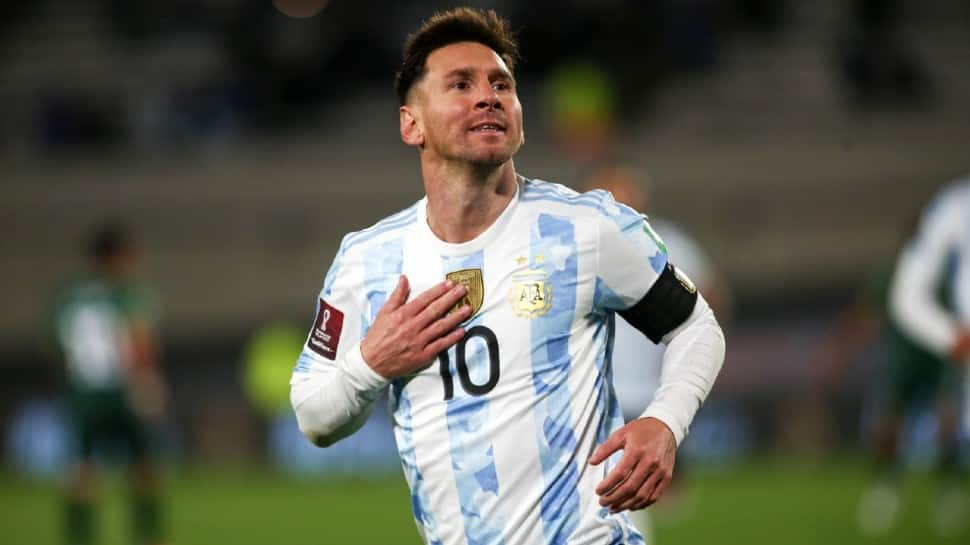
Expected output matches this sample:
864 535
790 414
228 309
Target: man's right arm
339 376
919 269
332 389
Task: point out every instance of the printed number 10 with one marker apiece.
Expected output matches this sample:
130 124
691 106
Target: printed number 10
461 366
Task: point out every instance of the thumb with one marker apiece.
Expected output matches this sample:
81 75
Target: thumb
612 444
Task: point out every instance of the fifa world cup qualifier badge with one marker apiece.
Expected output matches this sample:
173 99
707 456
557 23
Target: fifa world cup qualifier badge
325 335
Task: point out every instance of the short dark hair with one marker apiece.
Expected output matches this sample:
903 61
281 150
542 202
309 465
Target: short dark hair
108 240
448 27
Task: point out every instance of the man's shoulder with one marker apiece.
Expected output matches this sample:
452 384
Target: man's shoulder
387 227
954 194
536 190
596 206
84 287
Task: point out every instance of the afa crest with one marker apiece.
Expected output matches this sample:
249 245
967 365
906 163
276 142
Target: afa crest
531 294
471 279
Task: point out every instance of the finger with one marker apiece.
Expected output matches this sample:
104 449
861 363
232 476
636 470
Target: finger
427 296
629 487
661 487
398 296
640 489
649 488
445 324
617 476
628 505
437 308
444 343
612 444
634 504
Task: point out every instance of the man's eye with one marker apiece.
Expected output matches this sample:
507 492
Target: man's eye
460 85
501 86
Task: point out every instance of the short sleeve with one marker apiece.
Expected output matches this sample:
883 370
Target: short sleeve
140 304
630 256
335 332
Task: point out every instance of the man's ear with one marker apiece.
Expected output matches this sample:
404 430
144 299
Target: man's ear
411 132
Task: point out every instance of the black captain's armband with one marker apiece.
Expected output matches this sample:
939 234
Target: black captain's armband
668 304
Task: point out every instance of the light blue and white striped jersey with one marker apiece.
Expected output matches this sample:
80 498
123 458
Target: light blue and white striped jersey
494 435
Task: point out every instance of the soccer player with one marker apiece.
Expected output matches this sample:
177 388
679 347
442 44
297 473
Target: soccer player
941 242
103 324
908 377
637 361
486 310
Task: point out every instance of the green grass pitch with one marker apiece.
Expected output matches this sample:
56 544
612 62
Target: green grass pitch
770 502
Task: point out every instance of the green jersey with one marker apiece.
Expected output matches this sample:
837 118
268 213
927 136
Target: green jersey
92 323
914 373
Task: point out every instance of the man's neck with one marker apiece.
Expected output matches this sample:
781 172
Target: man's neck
464 201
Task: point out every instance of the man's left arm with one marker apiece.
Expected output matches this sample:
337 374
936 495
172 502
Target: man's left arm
695 352
148 389
660 301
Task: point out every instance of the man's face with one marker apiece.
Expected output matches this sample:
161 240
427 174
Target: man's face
121 265
465 107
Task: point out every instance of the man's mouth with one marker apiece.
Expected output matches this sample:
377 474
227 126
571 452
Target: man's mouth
488 127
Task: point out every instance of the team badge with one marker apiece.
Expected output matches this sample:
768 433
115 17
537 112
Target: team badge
471 279
531 294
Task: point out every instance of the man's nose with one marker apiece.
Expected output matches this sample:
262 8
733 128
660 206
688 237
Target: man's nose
489 99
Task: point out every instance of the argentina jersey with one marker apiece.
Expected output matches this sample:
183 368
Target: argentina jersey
494 434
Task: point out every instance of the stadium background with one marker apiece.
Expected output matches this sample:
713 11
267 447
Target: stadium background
796 141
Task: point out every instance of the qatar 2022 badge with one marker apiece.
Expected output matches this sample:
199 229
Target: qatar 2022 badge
531 293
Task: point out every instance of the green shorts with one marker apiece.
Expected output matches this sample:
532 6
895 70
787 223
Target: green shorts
916 375
107 425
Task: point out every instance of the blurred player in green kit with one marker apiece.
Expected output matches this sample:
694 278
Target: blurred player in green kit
919 307
103 323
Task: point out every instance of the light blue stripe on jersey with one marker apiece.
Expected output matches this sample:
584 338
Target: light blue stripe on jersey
304 361
383 263
621 527
472 453
404 433
627 220
397 221
537 191
332 273
551 362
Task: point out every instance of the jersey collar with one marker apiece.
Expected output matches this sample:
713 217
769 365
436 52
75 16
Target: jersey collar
478 243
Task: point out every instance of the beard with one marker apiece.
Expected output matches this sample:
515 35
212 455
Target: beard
461 149
489 157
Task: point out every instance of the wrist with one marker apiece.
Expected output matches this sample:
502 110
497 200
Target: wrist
668 419
363 375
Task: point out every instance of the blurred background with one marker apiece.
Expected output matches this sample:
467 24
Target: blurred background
240 139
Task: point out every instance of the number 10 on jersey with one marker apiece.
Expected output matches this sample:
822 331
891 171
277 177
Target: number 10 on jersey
461 365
